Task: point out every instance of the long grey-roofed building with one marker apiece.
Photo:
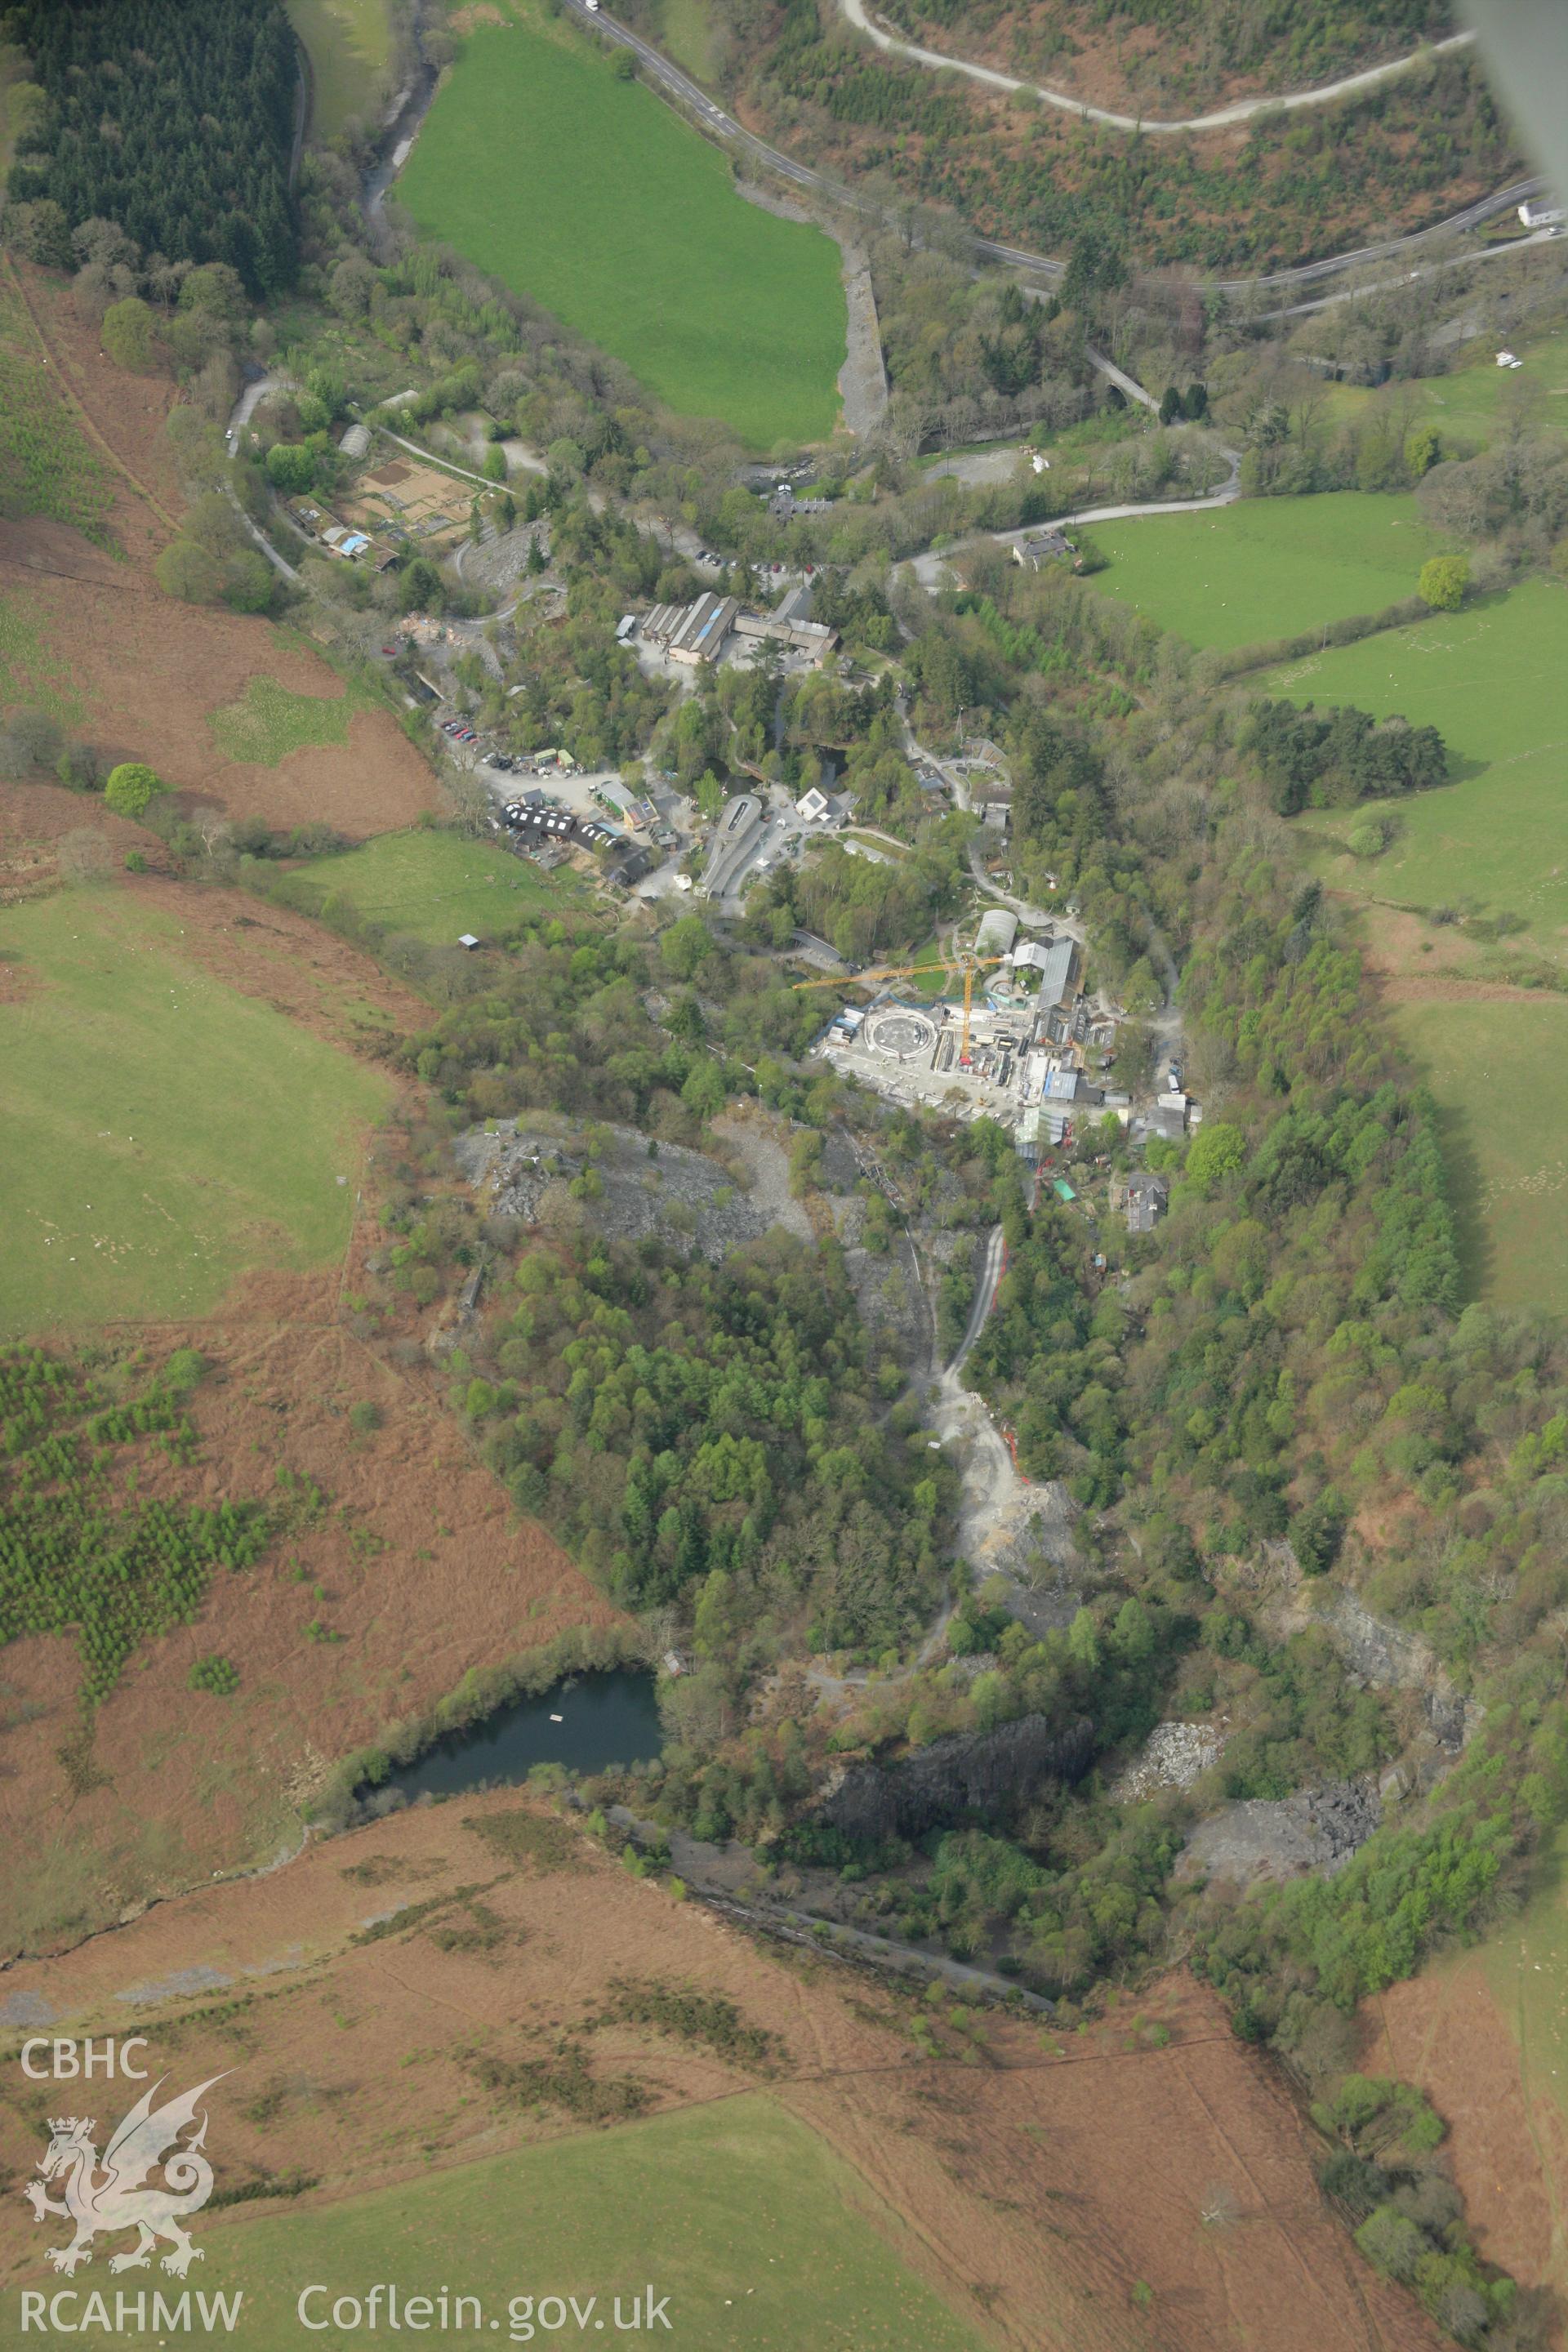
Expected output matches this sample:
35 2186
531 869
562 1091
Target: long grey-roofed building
692 633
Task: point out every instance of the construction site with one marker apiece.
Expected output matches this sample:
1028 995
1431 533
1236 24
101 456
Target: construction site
1002 1030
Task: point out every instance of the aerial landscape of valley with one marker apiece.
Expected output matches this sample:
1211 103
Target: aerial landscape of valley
783 1082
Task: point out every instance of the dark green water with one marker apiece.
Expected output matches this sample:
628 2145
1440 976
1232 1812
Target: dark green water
606 1719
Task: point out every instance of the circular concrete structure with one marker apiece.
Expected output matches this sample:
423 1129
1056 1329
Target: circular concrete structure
901 1036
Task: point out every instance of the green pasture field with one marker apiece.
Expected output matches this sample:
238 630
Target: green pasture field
587 193
1499 1071
433 886
1467 406
162 1132
349 45
1265 568
754 2231
46 466
269 721
1491 680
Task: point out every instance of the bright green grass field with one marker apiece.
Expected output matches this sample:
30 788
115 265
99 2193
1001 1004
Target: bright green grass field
269 721
433 886
348 42
1500 1072
586 193
761 2239
1468 404
1494 680
161 1131
1265 568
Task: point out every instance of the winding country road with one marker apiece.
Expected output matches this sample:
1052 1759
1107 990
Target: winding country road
712 119
1244 111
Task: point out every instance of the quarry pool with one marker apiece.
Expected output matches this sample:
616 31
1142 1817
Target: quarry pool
588 1723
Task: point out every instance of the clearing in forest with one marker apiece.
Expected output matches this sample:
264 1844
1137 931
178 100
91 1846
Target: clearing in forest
1266 567
162 1132
433 886
585 192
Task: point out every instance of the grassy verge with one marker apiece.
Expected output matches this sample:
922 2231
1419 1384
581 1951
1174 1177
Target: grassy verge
587 193
687 32
162 1132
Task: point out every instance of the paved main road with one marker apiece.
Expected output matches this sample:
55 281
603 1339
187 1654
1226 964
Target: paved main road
1245 108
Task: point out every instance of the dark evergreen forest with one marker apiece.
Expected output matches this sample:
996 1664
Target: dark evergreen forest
173 118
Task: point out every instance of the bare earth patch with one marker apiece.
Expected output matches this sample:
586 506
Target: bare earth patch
150 670
1507 2140
1036 2189
1414 962
415 1566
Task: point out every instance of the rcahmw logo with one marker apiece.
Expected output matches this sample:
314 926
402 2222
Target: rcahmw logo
153 2177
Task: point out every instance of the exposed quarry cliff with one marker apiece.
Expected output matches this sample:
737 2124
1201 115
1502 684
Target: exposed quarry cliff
991 1773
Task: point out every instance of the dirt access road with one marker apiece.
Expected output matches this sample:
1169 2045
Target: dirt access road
998 1503
855 12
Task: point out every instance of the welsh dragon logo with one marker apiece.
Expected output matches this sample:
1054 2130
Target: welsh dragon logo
113 2194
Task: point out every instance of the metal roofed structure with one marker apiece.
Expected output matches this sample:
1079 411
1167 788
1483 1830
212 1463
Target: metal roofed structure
998 929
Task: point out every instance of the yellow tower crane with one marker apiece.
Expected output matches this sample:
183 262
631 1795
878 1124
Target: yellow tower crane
969 965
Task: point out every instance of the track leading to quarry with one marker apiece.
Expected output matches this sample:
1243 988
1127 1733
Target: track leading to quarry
855 12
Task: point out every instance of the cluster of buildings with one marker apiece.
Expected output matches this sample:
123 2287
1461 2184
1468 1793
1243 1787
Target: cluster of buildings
715 626
1034 1052
784 505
